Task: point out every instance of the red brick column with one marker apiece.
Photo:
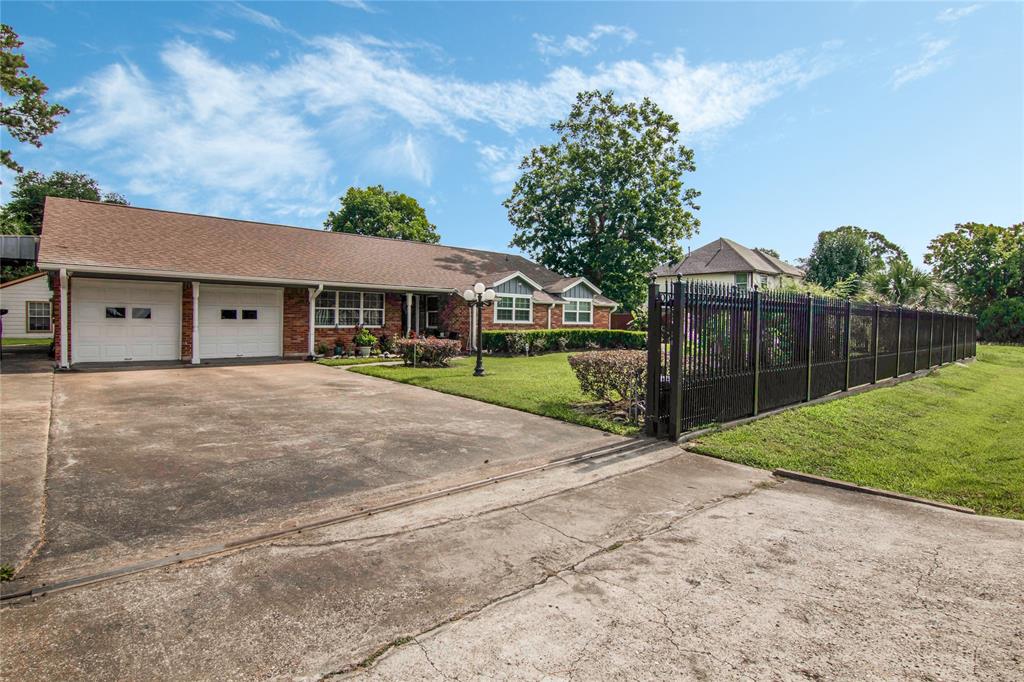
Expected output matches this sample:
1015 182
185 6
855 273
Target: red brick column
295 342
186 321
55 311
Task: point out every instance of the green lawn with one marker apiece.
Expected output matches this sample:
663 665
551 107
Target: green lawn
542 384
957 436
344 362
36 341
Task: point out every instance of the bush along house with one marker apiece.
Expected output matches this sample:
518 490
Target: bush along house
133 284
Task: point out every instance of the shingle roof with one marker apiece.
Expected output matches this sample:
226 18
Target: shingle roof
724 256
132 239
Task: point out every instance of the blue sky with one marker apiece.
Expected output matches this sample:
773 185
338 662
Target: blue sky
901 118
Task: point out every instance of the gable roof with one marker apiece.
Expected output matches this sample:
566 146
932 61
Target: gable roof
725 256
22 280
96 236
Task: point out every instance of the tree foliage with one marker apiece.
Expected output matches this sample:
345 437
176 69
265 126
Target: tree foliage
23 214
984 262
606 200
24 113
838 255
1003 321
900 283
770 252
377 212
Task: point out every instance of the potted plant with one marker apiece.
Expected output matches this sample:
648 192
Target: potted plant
365 342
339 348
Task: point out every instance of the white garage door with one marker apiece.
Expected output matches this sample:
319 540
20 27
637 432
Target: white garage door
237 322
119 320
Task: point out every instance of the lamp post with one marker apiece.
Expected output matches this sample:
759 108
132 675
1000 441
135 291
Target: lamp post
479 297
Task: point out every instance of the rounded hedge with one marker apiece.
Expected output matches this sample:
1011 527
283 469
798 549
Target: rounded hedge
1003 321
539 340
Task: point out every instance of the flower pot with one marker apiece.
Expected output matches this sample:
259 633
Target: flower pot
364 351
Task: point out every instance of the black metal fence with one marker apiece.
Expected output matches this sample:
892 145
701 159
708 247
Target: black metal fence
716 353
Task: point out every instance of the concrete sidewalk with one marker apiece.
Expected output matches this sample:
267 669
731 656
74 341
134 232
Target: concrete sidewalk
661 565
26 387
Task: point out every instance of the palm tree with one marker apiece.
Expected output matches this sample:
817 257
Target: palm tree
900 283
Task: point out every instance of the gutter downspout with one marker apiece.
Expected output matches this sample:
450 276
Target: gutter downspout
195 323
551 311
63 318
313 293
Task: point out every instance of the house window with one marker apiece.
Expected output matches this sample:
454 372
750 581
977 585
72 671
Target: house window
578 312
764 281
115 313
142 314
349 308
741 282
433 307
37 316
513 309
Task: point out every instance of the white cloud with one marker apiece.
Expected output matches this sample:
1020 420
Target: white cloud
954 14
37 44
404 156
356 4
933 57
584 45
241 139
207 31
211 135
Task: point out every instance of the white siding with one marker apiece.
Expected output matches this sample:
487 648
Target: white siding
15 298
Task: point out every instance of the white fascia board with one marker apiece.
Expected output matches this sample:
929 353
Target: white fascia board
193 276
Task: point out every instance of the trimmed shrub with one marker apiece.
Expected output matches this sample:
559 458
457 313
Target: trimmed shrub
429 352
613 376
536 340
1003 321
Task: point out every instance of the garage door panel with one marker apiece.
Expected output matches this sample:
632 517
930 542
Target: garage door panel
97 338
240 337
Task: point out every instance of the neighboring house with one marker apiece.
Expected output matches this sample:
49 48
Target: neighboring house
724 261
136 284
27 301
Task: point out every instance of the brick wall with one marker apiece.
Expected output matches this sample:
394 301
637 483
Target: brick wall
186 321
295 322
602 318
55 311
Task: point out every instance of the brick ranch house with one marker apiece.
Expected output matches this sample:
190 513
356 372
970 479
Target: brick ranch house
134 284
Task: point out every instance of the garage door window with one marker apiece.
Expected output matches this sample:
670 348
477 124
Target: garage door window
37 316
249 315
115 313
349 308
228 314
142 313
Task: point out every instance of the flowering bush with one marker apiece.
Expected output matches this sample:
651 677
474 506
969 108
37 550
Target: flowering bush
612 375
428 351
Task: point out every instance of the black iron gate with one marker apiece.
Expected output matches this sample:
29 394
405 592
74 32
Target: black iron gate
717 353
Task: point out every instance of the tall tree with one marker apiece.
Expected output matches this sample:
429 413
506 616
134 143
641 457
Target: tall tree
770 252
24 113
606 200
23 214
378 212
984 262
840 254
900 283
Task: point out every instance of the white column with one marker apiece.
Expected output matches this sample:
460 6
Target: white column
408 314
63 318
195 323
313 293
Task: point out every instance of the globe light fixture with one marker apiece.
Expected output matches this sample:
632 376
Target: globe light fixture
479 297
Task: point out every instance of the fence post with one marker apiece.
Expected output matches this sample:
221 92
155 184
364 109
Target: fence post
942 343
931 337
675 399
899 337
874 373
917 336
849 326
755 315
653 357
810 342
953 355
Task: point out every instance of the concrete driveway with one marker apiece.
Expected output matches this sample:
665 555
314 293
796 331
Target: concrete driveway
148 461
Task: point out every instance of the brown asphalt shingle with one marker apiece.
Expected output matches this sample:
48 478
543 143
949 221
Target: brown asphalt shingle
86 233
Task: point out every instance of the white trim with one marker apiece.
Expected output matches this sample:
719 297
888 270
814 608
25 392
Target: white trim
551 310
497 296
519 274
195 323
580 280
29 316
578 301
212 279
313 293
408 314
63 318
337 308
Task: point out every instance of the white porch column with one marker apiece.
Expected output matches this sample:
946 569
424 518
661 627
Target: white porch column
313 293
195 323
63 318
408 314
